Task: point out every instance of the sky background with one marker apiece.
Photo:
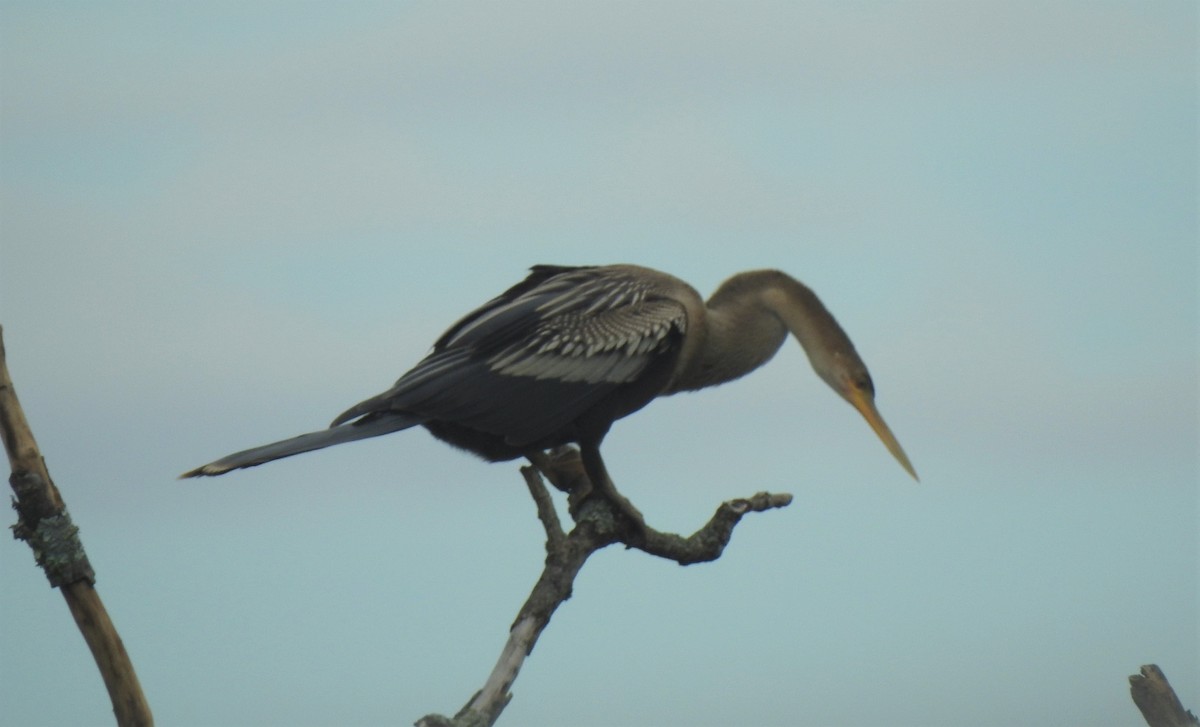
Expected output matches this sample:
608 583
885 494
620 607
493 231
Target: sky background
223 223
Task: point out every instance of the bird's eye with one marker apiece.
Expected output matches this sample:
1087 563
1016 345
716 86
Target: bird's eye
863 383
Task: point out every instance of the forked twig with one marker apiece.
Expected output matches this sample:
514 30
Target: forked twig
598 524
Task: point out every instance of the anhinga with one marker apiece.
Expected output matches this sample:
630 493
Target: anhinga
563 354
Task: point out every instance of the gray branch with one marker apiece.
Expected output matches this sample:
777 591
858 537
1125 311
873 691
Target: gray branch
1156 699
598 524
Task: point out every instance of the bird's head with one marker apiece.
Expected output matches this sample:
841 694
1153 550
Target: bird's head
829 349
847 375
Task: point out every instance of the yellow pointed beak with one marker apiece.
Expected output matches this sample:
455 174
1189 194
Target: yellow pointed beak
865 404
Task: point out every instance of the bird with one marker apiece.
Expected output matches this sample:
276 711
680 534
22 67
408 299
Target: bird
559 357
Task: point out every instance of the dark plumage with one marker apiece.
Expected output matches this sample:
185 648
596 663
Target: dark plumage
560 356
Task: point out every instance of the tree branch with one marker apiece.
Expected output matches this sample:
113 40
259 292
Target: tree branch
598 524
44 523
1156 699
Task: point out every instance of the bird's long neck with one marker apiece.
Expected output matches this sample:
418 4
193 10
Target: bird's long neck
746 321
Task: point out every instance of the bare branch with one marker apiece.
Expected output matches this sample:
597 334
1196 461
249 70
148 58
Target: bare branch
43 522
707 543
598 524
1156 699
545 507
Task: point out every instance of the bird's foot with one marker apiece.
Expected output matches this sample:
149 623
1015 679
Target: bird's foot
625 510
563 467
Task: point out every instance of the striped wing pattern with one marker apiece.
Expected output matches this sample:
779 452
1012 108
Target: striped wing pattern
592 329
536 357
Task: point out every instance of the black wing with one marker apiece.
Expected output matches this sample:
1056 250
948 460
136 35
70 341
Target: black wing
541 354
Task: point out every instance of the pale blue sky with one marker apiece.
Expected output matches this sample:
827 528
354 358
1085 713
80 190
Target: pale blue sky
222 223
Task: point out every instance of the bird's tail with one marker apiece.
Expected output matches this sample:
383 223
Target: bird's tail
361 429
